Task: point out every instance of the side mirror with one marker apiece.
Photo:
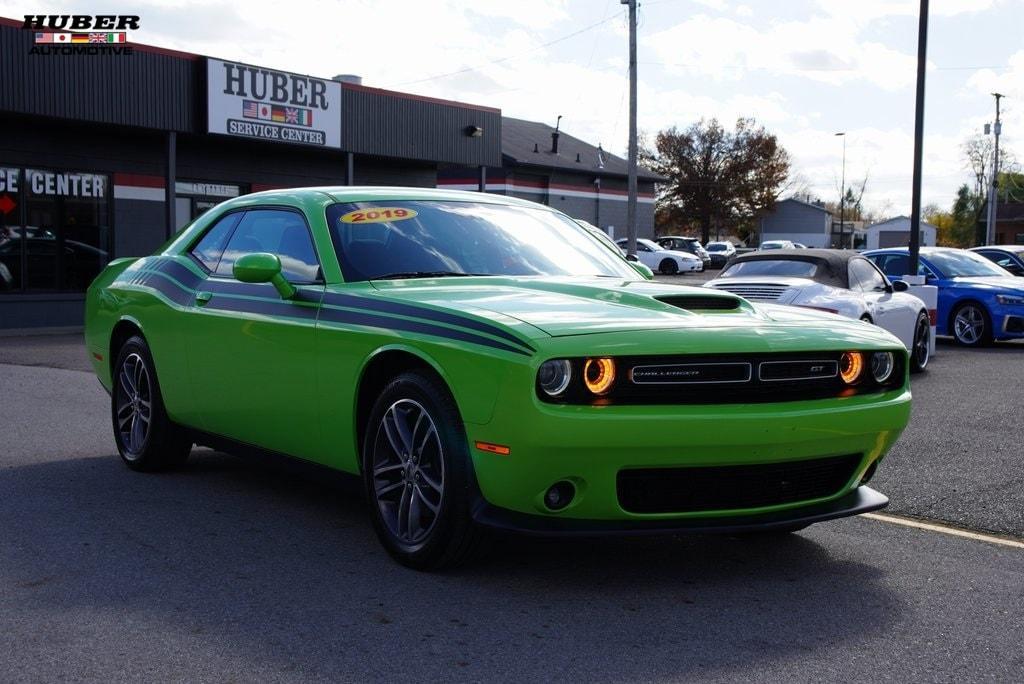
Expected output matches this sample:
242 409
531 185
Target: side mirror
632 257
262 267
899 286
643 270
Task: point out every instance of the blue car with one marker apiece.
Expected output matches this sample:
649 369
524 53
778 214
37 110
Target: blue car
978 301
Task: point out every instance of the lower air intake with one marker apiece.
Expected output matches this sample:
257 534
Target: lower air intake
685 490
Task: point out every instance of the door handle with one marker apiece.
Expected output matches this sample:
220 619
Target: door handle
202 297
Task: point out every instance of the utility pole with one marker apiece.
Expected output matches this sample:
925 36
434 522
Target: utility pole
990 216
915 198
631 219
842 197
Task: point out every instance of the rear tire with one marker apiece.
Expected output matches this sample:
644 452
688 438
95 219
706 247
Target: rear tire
668 267
417 474
146 438
920 352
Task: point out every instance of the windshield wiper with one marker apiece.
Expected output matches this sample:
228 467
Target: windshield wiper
424 274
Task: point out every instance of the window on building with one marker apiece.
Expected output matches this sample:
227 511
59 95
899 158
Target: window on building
56 230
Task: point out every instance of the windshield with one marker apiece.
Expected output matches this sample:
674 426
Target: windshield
771 267
410 238
716 247
960 264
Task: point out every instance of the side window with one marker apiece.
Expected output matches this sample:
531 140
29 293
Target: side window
279 232
865 277
893 264
210 248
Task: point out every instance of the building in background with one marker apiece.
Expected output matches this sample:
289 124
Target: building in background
797 221
896 233
542 164
106 155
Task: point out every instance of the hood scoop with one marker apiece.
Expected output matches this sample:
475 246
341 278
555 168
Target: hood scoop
701 302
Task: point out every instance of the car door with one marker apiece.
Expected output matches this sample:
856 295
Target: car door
648 257
250 352
886 311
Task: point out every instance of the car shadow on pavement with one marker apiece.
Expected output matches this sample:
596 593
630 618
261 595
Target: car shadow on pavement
264 570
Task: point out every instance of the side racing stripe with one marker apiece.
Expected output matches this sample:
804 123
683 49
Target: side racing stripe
179 283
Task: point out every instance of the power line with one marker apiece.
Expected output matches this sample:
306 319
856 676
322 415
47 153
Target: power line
515 56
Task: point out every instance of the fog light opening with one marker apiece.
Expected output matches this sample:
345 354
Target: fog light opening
559 495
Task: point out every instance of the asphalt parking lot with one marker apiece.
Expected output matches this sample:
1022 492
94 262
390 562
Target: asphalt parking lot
239 570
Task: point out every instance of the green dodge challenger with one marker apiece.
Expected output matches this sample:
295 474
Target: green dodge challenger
484 362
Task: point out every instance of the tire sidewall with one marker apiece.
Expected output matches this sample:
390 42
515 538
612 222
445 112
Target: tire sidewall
915 365
135 345
453 517
668 267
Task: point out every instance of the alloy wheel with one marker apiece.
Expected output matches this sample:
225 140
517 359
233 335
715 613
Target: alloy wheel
408 471
969 324
134 395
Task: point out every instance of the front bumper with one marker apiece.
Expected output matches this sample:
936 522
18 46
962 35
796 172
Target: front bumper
589 445
860 500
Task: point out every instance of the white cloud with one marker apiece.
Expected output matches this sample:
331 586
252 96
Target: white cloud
819 49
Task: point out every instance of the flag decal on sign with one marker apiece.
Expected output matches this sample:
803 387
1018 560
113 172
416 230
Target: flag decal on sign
296 116
56 38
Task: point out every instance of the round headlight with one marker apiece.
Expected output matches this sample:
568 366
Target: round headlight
850 366
882 364
599 374
554 376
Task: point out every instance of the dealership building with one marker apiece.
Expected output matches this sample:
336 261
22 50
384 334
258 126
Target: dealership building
106 153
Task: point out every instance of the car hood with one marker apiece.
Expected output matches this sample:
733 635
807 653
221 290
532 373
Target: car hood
558 307
996 284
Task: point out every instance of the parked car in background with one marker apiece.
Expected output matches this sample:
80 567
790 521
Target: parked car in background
777 244
685 244
978 301
1010 257
665 261
838 281
720 252
607 241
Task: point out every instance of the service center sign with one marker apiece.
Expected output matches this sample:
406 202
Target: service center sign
253 102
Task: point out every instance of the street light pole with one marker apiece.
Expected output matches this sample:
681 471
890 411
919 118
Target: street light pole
915 197
842 197
631 189
990 216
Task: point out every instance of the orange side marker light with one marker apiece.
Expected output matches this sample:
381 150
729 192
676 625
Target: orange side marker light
494 448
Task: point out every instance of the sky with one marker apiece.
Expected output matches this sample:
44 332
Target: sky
805 69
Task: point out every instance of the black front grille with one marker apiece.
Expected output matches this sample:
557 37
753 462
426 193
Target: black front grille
685 490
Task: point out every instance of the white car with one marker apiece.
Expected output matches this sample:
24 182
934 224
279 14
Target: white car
777 244
838 281
666 261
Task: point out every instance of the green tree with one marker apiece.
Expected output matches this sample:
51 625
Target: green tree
964 230
718 179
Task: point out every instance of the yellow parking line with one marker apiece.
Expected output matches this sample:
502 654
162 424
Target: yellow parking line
944 529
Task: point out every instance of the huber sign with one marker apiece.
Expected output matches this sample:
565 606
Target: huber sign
253 102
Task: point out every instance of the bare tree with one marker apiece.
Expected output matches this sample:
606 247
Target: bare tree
978 152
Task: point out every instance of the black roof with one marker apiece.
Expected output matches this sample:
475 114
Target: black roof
519 138
832 263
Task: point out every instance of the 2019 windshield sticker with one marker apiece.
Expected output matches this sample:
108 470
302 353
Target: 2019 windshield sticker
378 215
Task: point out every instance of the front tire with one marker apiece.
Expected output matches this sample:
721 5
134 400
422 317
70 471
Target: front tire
971 325
146 438
668 267
920 352
417 474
